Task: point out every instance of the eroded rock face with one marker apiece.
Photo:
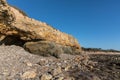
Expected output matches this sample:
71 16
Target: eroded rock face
14 23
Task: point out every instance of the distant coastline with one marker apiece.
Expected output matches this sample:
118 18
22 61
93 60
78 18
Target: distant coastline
99 50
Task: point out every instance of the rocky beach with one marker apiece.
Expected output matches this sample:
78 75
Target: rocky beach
17 64
33 50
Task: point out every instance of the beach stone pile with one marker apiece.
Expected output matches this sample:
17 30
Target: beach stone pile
17 64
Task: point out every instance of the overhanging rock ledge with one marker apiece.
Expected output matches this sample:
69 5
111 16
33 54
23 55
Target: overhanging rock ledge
15 24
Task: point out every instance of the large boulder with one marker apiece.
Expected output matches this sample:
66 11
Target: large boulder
44 48
48 48
16 24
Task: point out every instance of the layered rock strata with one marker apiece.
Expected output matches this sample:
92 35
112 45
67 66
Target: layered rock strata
14 24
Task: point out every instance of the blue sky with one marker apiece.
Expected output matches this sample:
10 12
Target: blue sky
95 23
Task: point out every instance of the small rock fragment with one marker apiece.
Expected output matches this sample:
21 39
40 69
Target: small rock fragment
46 77
60 78
29 64
29 74
67 68
57 71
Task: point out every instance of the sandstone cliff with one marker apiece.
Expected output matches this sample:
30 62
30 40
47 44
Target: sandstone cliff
14 23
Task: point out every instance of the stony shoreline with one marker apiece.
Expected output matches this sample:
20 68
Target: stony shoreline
17 64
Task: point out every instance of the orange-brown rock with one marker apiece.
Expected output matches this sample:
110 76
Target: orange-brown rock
13 22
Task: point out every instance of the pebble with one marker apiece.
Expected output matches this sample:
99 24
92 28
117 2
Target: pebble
46 76
29 74
60 78
56 71
29 64
67 68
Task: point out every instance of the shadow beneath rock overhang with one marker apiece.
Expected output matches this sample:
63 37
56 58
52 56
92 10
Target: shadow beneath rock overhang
12 40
